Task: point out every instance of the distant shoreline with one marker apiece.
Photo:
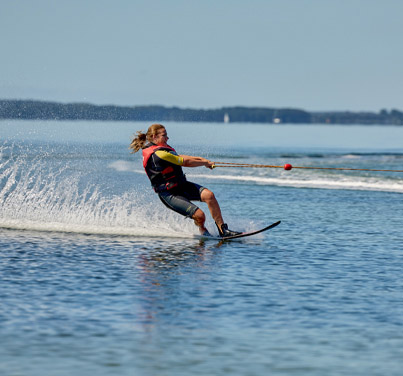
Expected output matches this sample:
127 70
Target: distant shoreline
45 110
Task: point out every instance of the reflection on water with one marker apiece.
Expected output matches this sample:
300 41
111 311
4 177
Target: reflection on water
162 271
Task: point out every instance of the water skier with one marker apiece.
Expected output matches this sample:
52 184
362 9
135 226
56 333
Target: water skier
164 169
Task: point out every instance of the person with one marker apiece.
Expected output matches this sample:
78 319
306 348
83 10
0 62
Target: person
164 169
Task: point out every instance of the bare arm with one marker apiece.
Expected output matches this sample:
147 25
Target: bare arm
189 161
184 160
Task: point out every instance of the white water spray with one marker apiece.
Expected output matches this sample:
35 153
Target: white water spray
39 193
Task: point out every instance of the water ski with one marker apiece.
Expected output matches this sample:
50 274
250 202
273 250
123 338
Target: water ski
243 234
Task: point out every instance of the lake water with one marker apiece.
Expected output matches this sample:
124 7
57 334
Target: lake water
99 278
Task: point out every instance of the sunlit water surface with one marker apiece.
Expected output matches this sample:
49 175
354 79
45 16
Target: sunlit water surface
97 277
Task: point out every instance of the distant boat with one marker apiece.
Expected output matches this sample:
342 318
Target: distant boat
276 117
226 118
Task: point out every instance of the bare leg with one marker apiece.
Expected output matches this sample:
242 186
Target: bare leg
209 198
199 219
212 203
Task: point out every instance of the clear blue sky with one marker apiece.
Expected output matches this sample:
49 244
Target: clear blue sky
310 54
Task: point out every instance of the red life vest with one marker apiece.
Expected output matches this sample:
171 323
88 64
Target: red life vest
162 174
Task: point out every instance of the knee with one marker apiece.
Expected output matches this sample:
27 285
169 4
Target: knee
199 216
207 196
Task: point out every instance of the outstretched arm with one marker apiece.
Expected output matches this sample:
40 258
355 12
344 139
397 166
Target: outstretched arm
184 160
189 161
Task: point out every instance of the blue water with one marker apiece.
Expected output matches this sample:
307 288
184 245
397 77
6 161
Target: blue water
97 277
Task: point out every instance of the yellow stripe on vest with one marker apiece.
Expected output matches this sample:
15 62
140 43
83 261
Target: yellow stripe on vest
169 157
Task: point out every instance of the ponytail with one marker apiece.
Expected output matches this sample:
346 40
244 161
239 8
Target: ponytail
138 142
141 138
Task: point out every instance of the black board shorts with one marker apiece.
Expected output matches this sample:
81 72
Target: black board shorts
178 199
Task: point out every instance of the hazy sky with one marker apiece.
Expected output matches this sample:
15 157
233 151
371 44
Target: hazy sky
310 54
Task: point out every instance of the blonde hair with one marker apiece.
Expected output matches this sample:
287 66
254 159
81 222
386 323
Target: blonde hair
140 139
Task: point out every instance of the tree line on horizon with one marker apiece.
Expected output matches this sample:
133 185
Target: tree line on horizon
42 110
